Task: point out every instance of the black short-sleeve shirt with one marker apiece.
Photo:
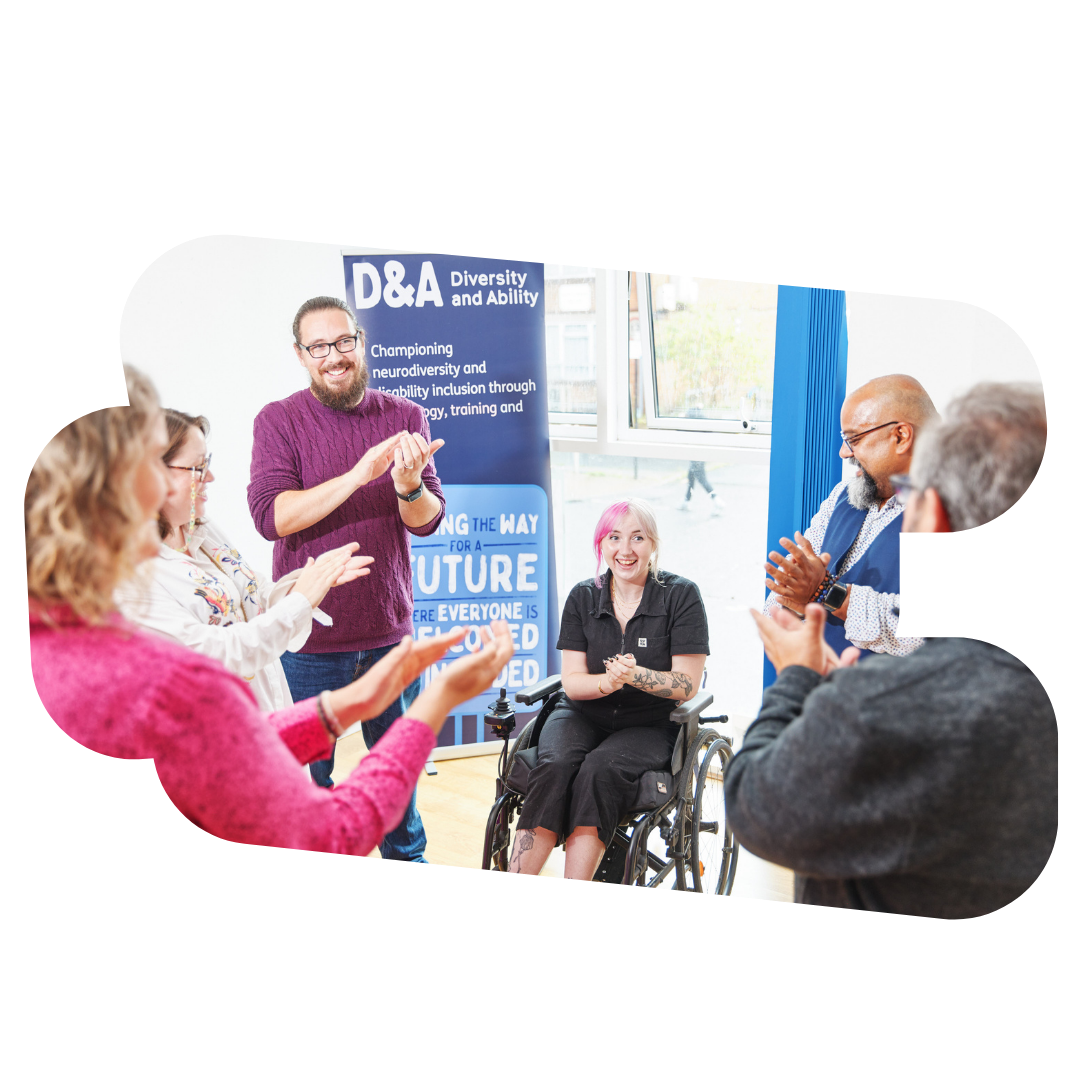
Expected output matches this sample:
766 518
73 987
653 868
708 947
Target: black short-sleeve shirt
670 621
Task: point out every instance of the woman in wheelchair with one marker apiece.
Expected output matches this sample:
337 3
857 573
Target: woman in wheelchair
633 643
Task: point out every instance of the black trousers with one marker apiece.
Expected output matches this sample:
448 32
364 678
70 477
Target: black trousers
587 773
697 472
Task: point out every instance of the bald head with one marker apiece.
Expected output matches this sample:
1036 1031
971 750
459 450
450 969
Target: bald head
879 422
901 396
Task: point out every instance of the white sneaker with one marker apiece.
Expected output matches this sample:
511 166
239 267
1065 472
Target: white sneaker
685 505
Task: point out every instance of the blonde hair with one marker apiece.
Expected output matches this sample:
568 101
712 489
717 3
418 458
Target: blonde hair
611 516
80 510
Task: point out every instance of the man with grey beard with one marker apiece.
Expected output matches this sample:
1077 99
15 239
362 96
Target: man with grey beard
849 559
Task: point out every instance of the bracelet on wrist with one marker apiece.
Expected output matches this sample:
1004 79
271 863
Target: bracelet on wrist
324 710
826 585
603 692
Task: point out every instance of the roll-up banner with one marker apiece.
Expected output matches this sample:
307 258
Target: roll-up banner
464 339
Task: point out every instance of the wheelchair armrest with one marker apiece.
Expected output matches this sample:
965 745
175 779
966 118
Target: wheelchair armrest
532 694
692 709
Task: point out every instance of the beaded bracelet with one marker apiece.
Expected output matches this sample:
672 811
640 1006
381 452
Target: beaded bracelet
826 585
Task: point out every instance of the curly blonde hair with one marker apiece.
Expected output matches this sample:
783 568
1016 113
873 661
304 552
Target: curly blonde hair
81 514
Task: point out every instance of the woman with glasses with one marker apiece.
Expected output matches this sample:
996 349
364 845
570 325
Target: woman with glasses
91 516
200 592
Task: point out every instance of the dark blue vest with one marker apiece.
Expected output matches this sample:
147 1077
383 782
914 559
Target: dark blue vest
879 566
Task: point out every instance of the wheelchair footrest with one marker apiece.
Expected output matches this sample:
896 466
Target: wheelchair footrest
613 863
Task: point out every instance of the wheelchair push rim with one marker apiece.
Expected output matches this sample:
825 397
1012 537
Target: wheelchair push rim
713 849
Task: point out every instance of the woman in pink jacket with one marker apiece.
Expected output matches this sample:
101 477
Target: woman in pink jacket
91 517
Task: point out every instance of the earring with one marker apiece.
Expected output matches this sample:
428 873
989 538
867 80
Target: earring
191 516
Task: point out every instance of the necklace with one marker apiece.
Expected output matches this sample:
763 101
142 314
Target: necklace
621 605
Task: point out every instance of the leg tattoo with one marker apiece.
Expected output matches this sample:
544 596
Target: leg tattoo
524 841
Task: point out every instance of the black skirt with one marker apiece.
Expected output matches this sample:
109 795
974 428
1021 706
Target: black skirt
587 771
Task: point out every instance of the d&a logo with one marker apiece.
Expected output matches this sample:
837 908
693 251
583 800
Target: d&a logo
368 287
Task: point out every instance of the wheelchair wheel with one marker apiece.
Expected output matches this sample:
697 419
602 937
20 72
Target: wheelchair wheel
688 792
501 817
713 850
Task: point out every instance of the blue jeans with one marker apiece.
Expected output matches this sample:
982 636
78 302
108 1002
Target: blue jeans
308 674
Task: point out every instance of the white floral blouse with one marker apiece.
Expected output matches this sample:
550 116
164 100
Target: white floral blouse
209 599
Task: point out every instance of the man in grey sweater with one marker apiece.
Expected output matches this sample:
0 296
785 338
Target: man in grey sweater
925 784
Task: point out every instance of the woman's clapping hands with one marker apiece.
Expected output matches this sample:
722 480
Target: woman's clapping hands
465 678
335 567
371 694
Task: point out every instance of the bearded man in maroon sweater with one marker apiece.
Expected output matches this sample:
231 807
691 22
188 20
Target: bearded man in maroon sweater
335 463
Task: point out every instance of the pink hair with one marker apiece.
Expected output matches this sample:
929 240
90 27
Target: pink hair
614 514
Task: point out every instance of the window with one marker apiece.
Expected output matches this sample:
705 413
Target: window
570 316
700 353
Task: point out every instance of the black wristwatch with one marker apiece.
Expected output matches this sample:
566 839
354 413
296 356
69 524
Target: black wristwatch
835 597
413 495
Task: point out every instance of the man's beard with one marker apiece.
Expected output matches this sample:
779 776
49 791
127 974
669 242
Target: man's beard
344 397
862 491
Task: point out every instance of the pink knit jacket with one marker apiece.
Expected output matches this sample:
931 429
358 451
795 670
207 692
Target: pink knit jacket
229 768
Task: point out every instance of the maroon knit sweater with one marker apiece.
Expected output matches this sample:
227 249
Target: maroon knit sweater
300 443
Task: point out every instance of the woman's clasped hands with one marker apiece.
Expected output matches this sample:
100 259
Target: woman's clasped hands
620 669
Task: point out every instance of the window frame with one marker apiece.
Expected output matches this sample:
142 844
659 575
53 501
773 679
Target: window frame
611 431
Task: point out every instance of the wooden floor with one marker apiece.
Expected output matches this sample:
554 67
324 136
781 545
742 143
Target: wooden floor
455 804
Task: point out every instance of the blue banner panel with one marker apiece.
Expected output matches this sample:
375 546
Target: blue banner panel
464 338
487 561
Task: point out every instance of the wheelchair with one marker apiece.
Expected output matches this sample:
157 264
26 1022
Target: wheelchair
676 833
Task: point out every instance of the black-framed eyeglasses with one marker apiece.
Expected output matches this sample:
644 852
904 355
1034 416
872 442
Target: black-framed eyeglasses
903 486
851 440
199 470
343 345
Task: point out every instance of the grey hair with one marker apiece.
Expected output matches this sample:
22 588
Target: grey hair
982 456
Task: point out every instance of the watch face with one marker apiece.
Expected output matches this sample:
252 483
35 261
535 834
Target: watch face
834 598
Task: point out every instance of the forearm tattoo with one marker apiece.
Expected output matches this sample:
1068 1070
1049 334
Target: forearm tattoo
663 683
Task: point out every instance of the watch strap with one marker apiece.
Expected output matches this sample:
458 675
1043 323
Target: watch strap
412 496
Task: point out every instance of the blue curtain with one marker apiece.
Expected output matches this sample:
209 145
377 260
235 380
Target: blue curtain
809 385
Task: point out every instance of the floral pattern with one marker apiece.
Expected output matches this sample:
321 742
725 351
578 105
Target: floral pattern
228 560
222 607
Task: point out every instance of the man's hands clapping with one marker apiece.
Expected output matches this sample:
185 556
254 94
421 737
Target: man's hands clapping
411 454
796 577
377 460
791 642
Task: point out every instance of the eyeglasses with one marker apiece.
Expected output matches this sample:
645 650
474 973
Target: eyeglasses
343 345
903 486
851 440
199 470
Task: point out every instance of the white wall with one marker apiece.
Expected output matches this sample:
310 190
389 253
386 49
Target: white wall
947 346
211 323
